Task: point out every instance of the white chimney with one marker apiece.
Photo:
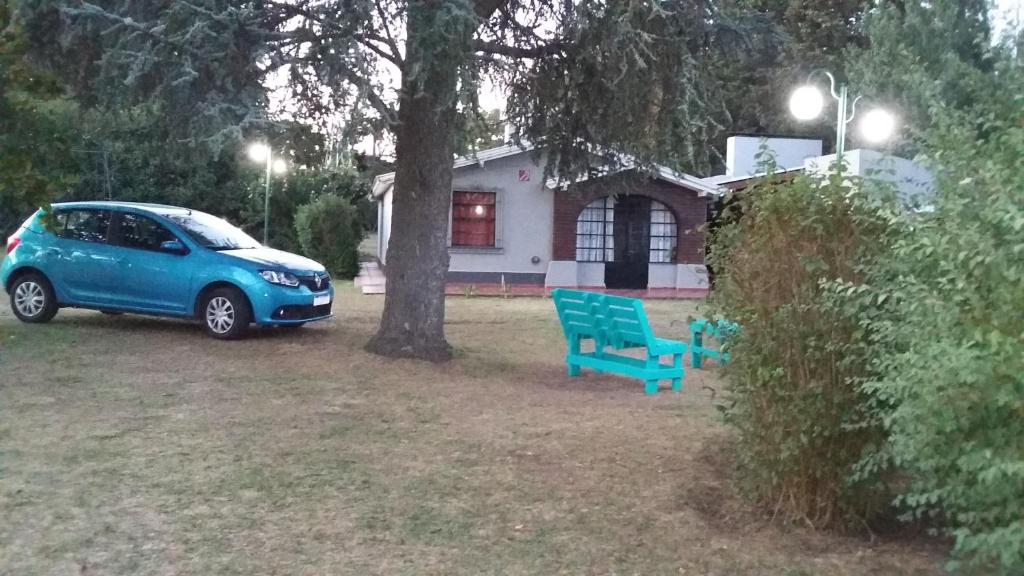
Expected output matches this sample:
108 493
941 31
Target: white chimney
789 152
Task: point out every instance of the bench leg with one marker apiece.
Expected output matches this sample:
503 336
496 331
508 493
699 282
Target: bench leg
677 362
695 350
651 386
574 350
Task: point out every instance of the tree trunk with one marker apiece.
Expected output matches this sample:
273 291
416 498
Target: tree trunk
412 325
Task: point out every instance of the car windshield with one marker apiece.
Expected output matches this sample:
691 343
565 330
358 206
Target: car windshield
212 232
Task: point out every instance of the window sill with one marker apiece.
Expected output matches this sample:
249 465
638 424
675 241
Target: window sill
475 250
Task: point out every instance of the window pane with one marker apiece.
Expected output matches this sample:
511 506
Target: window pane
594 231
663 234
137 231
473 218
88 225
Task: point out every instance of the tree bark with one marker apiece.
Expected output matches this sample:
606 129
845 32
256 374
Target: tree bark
412 325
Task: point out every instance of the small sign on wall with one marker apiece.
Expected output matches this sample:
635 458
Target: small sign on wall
524 175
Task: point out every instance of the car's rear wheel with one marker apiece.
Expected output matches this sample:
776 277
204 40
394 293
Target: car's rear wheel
32 299
226 314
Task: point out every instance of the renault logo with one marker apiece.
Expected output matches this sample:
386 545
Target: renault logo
318 282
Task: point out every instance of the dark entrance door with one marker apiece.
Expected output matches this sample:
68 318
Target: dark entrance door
632 232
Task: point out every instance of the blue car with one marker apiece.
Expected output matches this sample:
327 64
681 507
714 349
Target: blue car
151 259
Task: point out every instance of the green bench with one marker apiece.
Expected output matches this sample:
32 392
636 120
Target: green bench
618 323
701 331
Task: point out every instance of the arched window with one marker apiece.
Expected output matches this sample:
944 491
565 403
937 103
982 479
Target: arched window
663 234
595 232
595 236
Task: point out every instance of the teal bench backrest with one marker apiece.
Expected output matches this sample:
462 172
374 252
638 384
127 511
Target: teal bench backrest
610 320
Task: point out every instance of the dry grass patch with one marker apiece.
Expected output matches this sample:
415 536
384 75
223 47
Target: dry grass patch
131 445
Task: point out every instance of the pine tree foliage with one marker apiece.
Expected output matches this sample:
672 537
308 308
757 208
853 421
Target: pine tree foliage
35 121
925 59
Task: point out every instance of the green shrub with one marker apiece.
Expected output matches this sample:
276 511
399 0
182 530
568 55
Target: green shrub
790 272
329 231
956 377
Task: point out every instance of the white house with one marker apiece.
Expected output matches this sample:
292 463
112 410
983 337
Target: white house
616 230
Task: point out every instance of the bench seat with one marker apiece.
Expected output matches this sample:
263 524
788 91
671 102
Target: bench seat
616 323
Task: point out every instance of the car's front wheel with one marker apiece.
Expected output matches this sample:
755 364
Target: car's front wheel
226 314
32 299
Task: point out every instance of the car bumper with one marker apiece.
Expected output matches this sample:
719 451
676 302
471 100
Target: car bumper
283 305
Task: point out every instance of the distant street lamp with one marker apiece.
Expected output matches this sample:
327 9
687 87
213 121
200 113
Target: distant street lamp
260 152
806 103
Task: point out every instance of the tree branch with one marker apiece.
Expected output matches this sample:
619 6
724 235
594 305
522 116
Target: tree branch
496 48
484 8
389 39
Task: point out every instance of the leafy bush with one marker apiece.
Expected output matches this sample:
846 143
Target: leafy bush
956 378
790 273
296 188
329 230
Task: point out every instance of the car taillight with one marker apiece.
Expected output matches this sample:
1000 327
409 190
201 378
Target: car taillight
13 242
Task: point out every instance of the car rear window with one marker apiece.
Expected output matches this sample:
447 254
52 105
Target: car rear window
87 225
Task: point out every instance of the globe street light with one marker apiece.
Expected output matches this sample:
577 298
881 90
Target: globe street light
806 103
877 126
260 152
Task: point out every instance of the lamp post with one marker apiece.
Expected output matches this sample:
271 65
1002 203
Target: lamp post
806 103
260 152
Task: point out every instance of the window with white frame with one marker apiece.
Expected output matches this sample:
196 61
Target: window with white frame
474 219
595 240
663 233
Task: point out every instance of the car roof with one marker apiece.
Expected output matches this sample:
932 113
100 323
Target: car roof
161 209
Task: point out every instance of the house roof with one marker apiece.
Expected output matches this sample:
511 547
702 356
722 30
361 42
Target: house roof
660 172
384 182
733 181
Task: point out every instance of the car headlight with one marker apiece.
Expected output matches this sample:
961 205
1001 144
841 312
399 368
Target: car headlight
282 278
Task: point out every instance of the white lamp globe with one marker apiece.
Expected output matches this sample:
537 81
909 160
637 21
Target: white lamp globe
280 166
877 126
258 152
806 103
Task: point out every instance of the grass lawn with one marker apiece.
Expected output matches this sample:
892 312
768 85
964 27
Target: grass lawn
132 445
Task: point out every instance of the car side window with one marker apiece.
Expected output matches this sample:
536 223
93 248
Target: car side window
137 231
87 225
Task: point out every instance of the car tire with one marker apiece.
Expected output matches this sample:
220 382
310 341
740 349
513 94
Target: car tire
33 299
226 314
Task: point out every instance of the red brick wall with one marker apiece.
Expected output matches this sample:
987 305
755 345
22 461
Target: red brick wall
689 209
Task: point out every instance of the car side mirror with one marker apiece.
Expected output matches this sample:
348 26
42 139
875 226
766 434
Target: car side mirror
173 247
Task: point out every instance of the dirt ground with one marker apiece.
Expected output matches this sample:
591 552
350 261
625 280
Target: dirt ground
133 445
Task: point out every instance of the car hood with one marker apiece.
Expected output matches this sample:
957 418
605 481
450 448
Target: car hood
276 260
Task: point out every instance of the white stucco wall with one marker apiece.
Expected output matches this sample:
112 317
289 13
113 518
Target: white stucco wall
524 219
741 152
383 225
661 275
590 274
914 184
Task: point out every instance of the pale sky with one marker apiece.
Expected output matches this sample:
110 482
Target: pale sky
1007 12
